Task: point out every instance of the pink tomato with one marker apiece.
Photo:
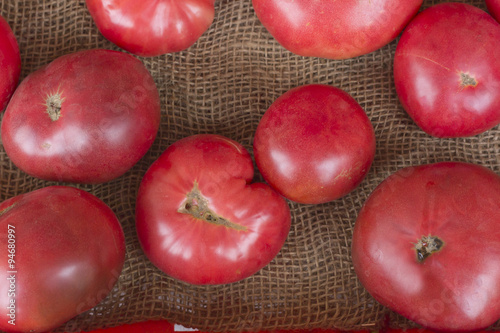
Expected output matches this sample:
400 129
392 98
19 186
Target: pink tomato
200 219
62 252
426 244
447 70
152 27
87 117
335 29
314 144
494 8
10 63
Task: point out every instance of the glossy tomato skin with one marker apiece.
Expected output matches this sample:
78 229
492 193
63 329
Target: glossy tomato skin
152 28
494 8
334 29
456 288
67 250
87 117
447 72
10 63
187 246
314 144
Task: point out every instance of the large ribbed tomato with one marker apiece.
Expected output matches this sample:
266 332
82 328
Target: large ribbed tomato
201 220
427 244
10 63
152 27
335 29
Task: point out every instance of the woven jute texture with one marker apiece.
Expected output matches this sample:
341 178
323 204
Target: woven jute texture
224 84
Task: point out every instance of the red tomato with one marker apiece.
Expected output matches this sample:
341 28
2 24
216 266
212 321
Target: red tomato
426 244
314 144
62 252
151 28
87 117
494 8
201 221
447 72
335 29
151 326
10 63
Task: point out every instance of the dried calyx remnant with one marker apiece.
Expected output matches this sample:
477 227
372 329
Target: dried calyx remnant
467 80
197 206
54 105
426 246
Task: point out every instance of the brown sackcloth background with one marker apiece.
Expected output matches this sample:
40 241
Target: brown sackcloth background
223 84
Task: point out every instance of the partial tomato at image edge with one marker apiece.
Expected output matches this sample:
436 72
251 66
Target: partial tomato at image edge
66 252
334 29
164 326
10 63
494 8
151 29
446 69
425 245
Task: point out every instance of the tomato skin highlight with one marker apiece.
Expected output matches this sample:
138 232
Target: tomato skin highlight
195 248
86 117
314 144
335 29
152 28
446 70
68 253
454 289
10 63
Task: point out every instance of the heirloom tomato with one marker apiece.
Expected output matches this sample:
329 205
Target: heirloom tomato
447 70
10 63
494 8
87 117
314 144
63 252
335 29
199 217
426 244
153 27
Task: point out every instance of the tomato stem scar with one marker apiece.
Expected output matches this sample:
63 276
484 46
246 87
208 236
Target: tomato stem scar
426 246
54 105
467 80
197 206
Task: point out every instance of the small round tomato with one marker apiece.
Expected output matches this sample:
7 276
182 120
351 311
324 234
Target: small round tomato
62 252
447 72
314 144
426 244
153 27
87 117
335 29
494 8
10 63
200 220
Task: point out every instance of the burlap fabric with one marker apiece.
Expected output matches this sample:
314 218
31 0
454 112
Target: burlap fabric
223 84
